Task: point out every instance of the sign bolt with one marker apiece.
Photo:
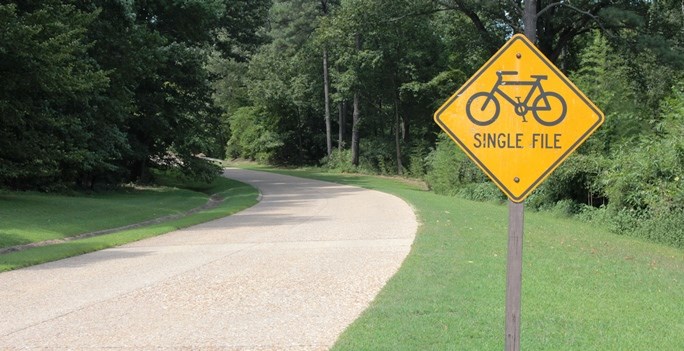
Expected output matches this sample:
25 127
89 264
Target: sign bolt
518 55
516 179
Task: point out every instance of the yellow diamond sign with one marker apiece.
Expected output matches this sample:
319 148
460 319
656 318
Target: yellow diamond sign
518 118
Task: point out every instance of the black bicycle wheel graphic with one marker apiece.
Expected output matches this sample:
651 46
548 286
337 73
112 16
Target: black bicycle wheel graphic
482 116
553 108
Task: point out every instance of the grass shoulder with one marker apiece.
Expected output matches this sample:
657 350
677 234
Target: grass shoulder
584 288
29 217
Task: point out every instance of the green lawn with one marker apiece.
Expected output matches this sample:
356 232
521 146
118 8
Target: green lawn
27 217
584 288
31 217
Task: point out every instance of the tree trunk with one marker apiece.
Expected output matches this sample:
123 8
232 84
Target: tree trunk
341 119
356 114
140 172
397 131
326 93
300 137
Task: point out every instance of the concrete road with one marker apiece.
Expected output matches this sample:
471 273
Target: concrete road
287 274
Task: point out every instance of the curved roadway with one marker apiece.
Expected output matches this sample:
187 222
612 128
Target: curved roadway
287 274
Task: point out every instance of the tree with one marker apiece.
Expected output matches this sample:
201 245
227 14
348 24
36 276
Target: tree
101 91
49 90
283 83
325 10
558 23
161 88
386 53
237 34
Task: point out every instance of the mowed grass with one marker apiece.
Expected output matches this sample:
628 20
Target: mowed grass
27 217
32 217
584 288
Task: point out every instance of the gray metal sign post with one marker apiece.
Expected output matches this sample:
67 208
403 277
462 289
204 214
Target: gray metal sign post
514 274
516 219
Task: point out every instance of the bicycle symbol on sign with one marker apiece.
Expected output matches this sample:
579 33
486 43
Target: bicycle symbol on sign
548 108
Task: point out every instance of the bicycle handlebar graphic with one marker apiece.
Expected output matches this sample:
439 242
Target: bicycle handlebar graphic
546 101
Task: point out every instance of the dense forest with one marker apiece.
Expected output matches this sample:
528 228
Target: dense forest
101 92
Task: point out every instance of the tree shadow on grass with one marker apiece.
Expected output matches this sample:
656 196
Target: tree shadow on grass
9 239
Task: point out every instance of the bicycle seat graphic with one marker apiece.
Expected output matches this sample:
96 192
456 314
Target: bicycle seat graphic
548 108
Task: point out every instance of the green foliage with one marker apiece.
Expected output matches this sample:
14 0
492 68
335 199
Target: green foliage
418 160
579 179
92 92
644 184
606 79
46 82
449 169
663 227
252 138
339 161
481 191
282 82
197 169
649 175
378 157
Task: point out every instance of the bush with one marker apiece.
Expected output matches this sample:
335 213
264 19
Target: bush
486 191
599 215
339 161
418 159
200 170
378 156
578 180
375 158
649 175
251 138
666 228
449 169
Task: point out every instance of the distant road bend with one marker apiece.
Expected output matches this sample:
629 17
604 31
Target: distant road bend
287 274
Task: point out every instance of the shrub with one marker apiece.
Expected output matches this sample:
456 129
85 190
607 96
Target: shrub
418 160
666 228
250 136
197 169
378 156
577 180
484 191
593 214
565 208
339 161
448 168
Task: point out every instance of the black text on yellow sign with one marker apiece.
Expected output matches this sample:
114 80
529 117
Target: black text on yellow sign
515 141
